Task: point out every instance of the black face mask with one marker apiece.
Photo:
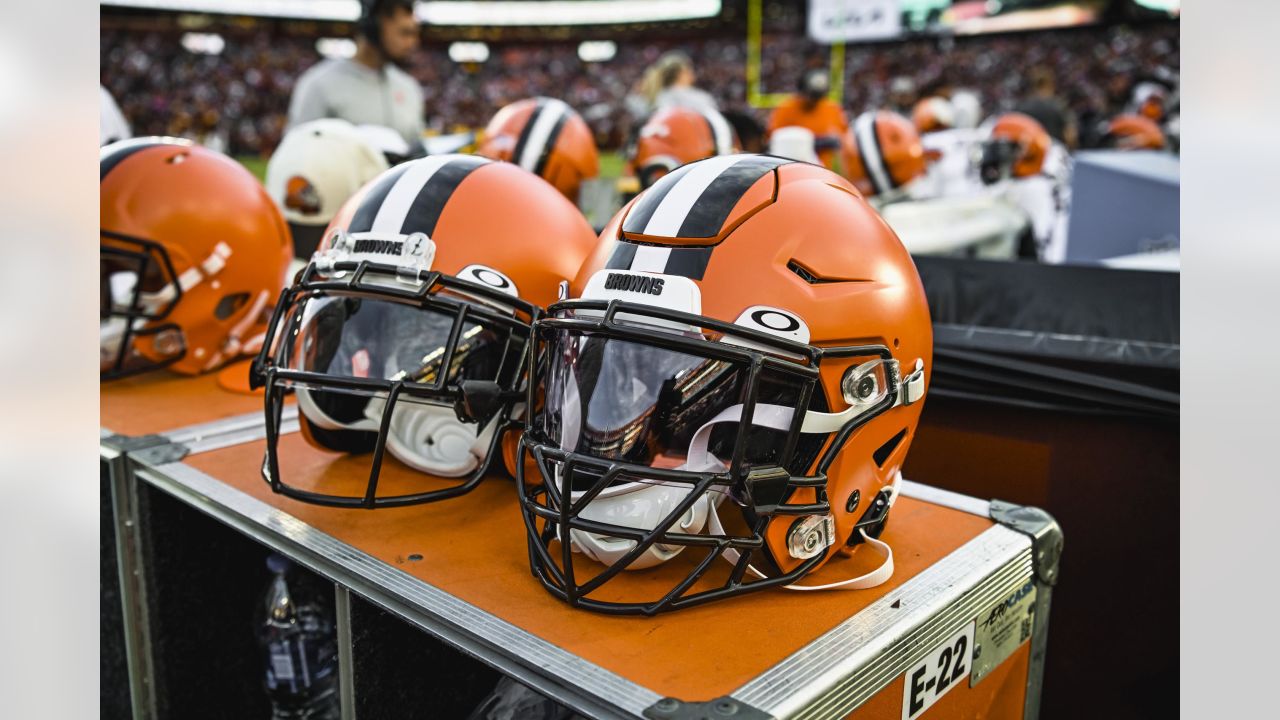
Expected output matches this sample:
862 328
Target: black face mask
358 336
998 157
618 402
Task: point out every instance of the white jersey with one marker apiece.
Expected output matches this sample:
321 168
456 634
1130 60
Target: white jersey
686 97
1046 199
955 172
111 123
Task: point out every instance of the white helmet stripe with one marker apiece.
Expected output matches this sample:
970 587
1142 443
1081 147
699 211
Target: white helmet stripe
864 131
544 122
675 206
400 198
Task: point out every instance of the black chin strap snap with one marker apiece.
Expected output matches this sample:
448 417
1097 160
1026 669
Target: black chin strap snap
873 519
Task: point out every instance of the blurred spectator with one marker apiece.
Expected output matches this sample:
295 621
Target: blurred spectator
902 95
370 88
1045 106
669 82
748 129
242 94
811 109
111 123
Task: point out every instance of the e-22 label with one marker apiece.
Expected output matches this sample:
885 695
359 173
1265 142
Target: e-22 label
939 671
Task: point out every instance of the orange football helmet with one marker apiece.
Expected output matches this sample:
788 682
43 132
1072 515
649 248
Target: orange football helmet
675 136
882 152
193 253
932 114
1149 100
407 332
1134 132
1029 140
546 137
739 374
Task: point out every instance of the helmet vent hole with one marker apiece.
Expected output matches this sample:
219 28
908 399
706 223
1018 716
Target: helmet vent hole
895 343
812 277
805 273
882 453
229 304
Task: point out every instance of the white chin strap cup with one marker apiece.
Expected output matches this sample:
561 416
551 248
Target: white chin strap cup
431 439
641 506
428 438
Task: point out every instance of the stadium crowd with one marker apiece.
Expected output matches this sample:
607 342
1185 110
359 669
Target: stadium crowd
237 100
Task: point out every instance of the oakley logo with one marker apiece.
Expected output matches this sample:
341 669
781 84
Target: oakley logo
634 283
490 277
775 320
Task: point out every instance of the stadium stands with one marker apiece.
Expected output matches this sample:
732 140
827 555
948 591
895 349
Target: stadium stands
236 100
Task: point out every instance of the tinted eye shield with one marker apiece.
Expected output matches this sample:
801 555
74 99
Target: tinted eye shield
474 400
753 352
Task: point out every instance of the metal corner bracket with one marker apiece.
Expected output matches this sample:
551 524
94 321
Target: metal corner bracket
1046 551
153 449
1045 534
169 452
721 708
132 443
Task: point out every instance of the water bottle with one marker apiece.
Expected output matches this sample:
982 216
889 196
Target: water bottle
299 643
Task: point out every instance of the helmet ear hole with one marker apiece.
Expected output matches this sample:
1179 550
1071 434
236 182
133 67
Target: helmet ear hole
229 304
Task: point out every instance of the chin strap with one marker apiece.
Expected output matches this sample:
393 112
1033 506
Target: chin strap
778 417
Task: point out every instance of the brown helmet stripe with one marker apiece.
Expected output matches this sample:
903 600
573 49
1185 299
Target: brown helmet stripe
116 153
696 200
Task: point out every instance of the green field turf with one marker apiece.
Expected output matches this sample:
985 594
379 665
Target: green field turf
256 165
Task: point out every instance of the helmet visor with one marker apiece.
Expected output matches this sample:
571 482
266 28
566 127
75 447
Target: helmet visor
352 336
347 336
629 401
